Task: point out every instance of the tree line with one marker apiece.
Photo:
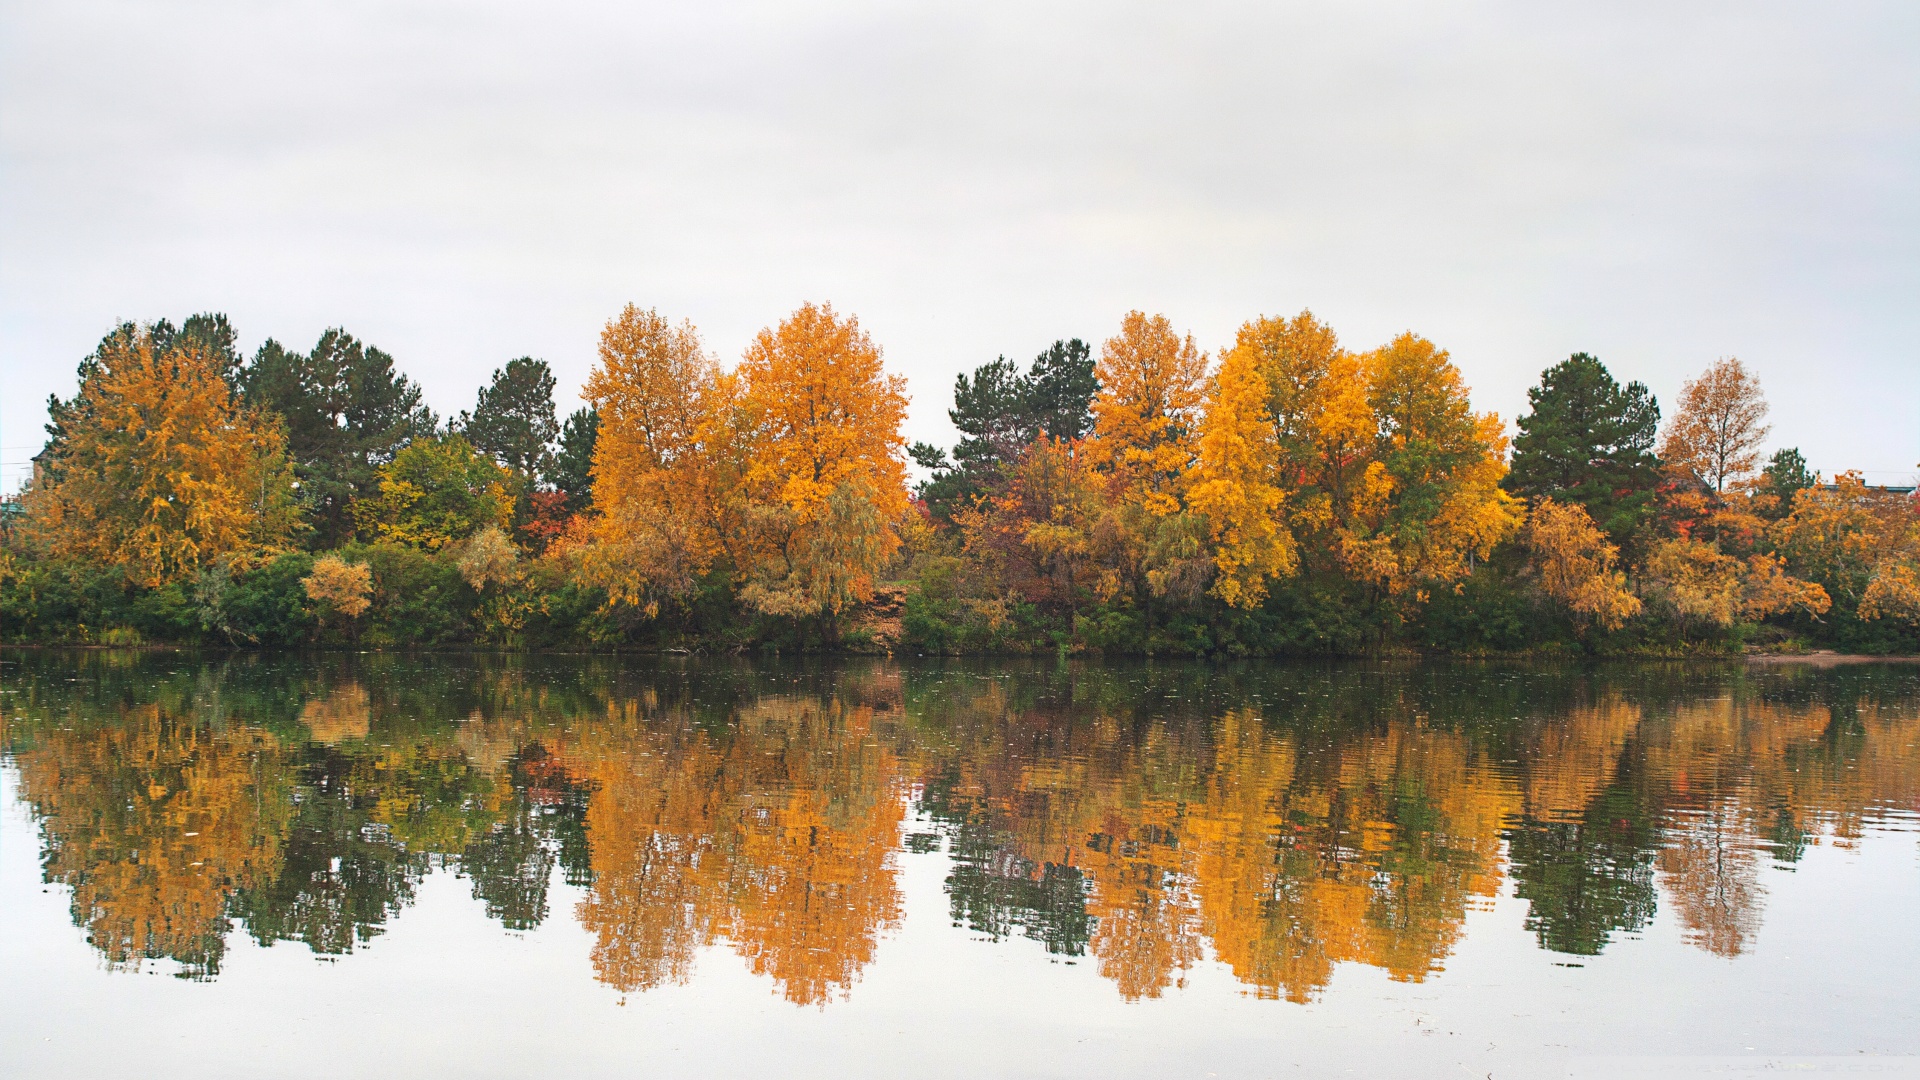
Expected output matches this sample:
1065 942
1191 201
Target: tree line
1288 495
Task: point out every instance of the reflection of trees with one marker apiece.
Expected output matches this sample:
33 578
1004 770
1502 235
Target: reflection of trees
1283 821
996 892
543 823
364 831
346 713
175 819
811 876
1711 869
1291 844
1695 798
154 822
1720 766
1586 880
1583 852
776 836
651 828
1289 852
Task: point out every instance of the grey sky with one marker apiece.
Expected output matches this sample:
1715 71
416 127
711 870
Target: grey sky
1660 184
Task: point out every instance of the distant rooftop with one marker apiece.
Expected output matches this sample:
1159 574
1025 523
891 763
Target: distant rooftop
1884 489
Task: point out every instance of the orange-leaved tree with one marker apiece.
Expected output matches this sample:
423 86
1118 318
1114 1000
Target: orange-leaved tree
1699 583
1298 358
660 475
1146 418
156 467
342 586
1717 433
1324 428
1393 479
1860 544
153 821
1147 411
824 485
1575 564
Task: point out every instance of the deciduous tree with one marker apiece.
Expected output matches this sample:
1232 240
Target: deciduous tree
1237 490
1861 544
1049 537
155 467
661 454
1152 388
488 558
344 586
1432 494
1700 583
1717 432
1297 356
822 457
1575 564
437 491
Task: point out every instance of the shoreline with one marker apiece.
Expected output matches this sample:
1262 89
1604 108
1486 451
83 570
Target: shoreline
1827 658
1822 658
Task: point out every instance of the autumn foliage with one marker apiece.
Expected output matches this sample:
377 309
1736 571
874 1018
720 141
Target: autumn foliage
1577 565
1286 494
156 468
787 469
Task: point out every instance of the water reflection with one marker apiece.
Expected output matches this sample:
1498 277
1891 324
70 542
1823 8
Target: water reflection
1283 821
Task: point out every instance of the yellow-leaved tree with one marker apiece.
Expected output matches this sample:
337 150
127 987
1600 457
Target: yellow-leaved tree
1699 583
1236 488
437 491
157 468
1298 358
786 472
660 462
1861 545
1430 501
342 586
1374 467
1324 427
824 485
1146 419
1575 564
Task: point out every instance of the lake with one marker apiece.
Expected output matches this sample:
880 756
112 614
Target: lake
473 866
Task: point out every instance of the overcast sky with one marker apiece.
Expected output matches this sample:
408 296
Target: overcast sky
1660 184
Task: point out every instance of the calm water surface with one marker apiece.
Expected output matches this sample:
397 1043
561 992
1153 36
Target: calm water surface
345 866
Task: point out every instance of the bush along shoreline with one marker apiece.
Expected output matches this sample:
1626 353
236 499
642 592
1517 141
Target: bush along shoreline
1284 496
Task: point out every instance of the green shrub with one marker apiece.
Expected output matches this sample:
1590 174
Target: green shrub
269 605
419 598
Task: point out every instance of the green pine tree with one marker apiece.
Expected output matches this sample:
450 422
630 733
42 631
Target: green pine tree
1786 475
1000 411
513 419
1589 440
572 468
347 411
